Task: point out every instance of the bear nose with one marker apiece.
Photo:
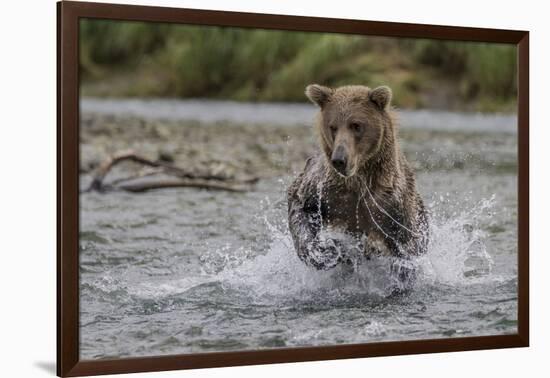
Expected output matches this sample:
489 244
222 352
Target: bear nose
339 160
339 164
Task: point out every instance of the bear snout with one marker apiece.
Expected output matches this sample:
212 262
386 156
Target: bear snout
339 160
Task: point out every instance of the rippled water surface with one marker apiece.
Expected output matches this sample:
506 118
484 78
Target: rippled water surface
185 270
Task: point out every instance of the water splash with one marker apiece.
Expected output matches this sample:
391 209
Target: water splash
456 255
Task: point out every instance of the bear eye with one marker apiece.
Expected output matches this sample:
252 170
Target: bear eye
333 129
356 127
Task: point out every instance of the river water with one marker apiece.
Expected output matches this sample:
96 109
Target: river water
192 271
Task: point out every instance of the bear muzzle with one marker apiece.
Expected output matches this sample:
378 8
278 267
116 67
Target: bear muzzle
339 160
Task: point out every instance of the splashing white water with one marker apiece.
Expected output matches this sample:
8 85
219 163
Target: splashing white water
456 256
457 250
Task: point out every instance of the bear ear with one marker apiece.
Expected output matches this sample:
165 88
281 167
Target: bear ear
318 94
381 96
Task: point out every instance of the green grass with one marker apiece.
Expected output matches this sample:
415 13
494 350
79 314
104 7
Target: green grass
150 59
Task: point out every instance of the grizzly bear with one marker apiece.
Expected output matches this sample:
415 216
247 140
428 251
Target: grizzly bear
358 184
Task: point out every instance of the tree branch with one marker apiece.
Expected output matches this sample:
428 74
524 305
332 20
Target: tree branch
182 178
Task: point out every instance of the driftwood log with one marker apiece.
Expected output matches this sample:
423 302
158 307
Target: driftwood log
178 177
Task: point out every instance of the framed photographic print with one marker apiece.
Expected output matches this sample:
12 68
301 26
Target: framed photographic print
238 188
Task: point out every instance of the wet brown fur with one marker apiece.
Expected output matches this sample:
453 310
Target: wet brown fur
376 194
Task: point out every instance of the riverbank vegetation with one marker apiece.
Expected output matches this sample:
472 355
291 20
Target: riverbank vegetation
134 59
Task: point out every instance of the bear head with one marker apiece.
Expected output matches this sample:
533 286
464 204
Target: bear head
353 124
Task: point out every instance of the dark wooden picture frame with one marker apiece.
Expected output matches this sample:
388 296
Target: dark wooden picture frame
68 15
